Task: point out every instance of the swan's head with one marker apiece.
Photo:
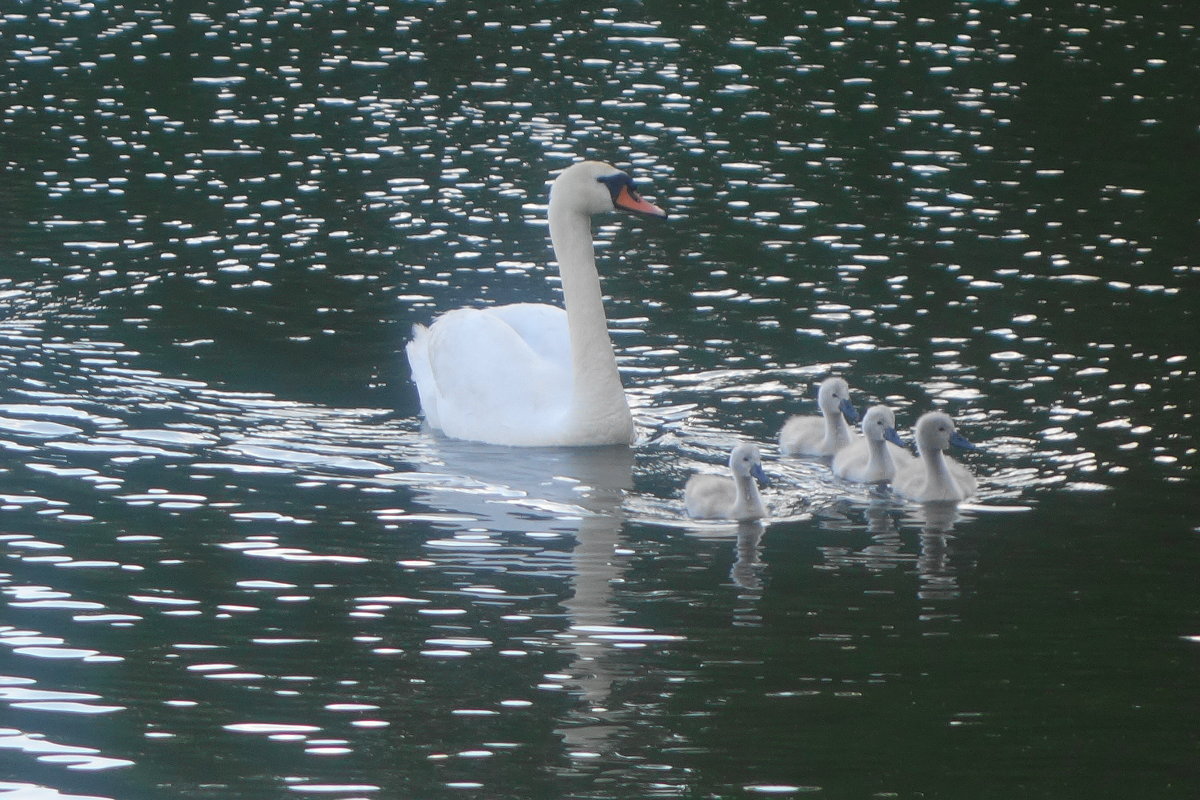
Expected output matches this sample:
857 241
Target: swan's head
593 187
833 397
879 423
745 460
936 431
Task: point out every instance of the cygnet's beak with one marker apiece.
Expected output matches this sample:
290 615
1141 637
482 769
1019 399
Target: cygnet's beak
849 410
890 435
757 472
958 440
629 200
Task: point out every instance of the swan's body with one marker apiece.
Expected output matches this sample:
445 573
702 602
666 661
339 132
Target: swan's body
935 476
826 434
737 497
530 374
872 458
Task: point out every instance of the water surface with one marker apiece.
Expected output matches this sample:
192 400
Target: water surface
237 566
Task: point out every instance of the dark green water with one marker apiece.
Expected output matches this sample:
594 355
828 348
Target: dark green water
236 567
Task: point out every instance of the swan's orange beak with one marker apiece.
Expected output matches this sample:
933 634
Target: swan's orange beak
629 200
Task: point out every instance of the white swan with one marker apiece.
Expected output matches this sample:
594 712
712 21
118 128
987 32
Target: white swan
719 497
826 434
871 459
530 374
936 476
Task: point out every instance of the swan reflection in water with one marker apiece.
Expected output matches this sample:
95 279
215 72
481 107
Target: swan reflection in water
580 497
551 493
885 518
935 570
746 571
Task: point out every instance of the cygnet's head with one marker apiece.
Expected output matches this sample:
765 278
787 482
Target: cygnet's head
879 423
593 187
745 460
833 397
936 431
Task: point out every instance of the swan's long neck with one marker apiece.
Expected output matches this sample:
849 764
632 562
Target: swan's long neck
937 473
748 502
837 432
879 460
597 394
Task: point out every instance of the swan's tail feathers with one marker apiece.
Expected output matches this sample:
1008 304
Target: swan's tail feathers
422 373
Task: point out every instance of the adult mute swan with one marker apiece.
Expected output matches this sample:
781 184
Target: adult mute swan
530 374
936 476
870 459
719 497
826 434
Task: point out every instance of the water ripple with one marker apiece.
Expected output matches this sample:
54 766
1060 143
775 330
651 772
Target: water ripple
221 506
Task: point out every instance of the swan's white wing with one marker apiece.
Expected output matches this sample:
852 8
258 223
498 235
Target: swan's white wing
802 436
917 484
496 374
963 477
909 482
709 496
422 373
851 461
902 454
543 327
